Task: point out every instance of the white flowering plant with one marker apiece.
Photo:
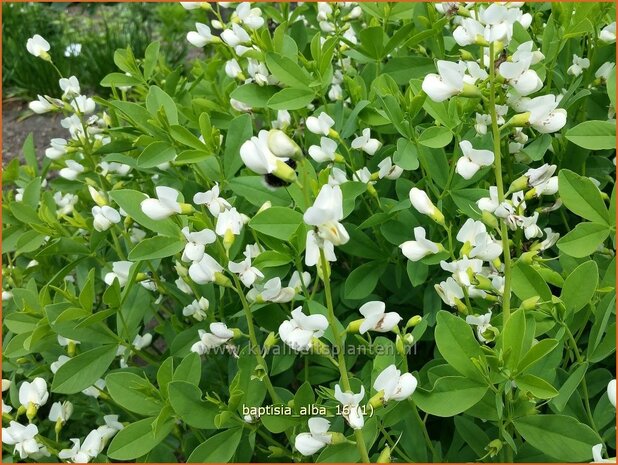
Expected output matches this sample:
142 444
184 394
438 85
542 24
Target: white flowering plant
350 232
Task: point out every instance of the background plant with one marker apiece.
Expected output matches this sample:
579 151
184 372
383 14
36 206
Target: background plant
336 197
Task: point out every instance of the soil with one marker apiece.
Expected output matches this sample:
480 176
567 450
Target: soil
15 130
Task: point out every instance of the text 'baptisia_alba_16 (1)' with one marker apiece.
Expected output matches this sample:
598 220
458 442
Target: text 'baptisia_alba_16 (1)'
339 232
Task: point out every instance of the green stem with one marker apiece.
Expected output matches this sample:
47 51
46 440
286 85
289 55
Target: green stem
343 371
255 347
506 300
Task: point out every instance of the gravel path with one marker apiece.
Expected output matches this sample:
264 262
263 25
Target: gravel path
15 130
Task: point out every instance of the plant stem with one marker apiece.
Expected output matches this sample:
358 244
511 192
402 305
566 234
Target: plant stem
343 370
506 300
255 347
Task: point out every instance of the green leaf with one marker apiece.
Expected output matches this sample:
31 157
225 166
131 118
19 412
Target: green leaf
157 98
536 353
569 386
559 436
512 337
138 439
130 201
156 247
536 150
435 137
406 154
372 41
156 154
580 286
362 281
527 283
83 370
252 189
291 99
130 391
582 197
239 131
151 56
611 87
253 95
219 448
186 400
538 387
186 137
279 222
457 344
450 396
583 240
287 71
119 80
593 135
190 369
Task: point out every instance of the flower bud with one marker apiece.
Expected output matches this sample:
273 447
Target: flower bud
377 400
228 239
186 208
97 196
31 411
470 91
354 326
265 206
490 220
338 438
494 447
408 339
519 121
284 172
270 341
530 303
385 455
318 347
415 320
222 280
281 145
399 345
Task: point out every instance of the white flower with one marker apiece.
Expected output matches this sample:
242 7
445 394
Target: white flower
320 125
597 456
83 104
611 392
72 170
229 221
336 91
376 318
34 393
324 11
352 411
578 66
110 428
24 440
196 243
73 50
258 156
296 283
283 120
219 334
120 271
250 17
313 245
366 143
65 202
6 384
83 452
461 269
201 37
545 117
141 342
42 105
281 145
605 70
498 20
235 36
114 167
421 202
469 32
248 274
446 84
298 332
55 366
325 214
482 323
518 74
211 199
69 86
472 160
38 46
197 309
61 411
363 175
95 389
482 121
550 239
607 34
528 224
449 291
203 271
317 437
232 69
325 151
58 149
388 170
165 205
337 177
394 385
491 203
258 71
271 291
104 217
419 248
